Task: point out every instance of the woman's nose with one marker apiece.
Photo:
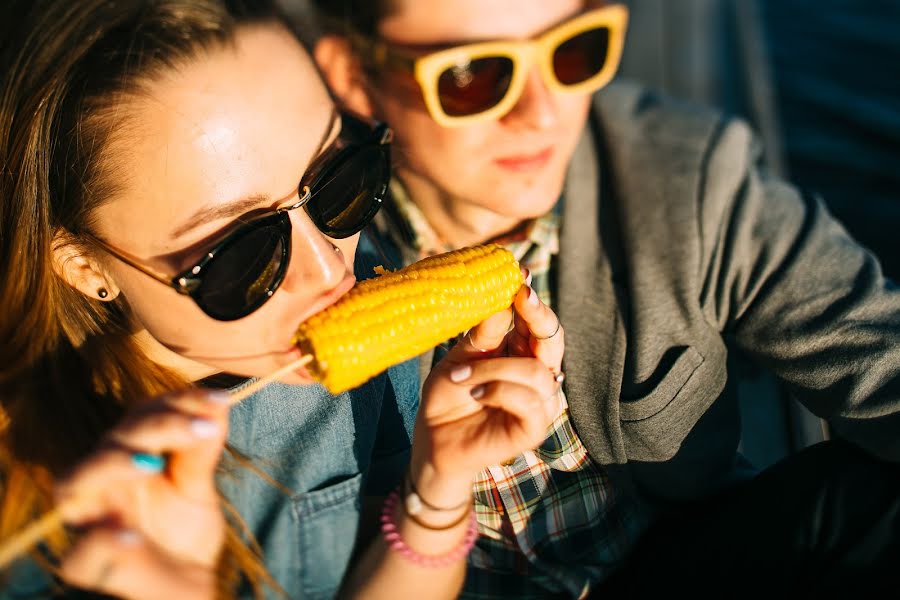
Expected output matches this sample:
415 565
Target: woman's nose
317 266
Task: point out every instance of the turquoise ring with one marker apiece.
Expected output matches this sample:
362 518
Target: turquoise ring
151 463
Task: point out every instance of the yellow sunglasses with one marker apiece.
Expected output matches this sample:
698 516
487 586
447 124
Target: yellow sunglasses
483 81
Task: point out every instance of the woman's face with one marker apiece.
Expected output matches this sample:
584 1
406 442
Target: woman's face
514 166
226 134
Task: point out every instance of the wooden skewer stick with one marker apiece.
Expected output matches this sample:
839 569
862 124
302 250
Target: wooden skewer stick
22 542
244 393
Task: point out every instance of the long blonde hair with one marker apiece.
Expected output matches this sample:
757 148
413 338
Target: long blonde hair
68 364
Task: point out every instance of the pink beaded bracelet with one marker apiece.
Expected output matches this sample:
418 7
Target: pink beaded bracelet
392 537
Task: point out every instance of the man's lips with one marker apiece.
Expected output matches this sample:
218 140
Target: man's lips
526 162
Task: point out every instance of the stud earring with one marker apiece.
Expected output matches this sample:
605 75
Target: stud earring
102 293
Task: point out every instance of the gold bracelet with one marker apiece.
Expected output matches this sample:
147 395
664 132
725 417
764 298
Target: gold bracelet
424 525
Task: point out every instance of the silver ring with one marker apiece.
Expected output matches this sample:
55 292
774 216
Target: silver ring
555 331
468 339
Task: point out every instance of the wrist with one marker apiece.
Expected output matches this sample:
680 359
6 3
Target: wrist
438 490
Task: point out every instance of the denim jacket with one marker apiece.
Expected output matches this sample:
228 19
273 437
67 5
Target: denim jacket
328 451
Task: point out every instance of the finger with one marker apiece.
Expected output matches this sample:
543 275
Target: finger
485 339
192 469
123 564
525 372
535 317
539 325
95 558
526 274
192 445
164 429
101 484
191 466
198 401
527 414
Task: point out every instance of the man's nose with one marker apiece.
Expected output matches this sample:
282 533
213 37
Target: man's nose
536 107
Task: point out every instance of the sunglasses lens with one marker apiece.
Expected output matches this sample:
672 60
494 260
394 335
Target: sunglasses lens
578 59
241 276
345 199
476 86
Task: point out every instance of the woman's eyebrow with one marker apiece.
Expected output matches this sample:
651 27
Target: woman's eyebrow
219 211
237 208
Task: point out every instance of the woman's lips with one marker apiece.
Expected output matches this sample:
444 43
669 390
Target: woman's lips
523 163
294 354
334 294
330 297
323 302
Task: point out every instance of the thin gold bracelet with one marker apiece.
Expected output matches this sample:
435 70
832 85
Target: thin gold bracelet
424 525
413 502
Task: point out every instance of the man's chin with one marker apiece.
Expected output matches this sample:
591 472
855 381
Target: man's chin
528 203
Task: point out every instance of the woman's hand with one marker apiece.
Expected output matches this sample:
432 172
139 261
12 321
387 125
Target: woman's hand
494 395
152 527
534 331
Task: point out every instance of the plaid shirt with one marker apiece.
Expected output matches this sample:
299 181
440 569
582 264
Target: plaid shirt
550 523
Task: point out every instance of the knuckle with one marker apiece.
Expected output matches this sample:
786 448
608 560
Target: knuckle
540 377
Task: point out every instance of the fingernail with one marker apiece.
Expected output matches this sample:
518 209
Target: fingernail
204 428
527 274
150 463
128 537
460 373
477 391
218 397
532 296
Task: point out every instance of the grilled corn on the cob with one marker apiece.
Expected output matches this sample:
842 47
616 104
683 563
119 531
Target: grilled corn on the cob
398 315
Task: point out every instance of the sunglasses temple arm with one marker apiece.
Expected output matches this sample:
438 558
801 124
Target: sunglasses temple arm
380 54
130 262
150 272
398 60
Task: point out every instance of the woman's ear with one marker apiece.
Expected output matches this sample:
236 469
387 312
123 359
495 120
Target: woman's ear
344 73
80 270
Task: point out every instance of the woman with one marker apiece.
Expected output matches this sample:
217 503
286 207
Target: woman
649 228
151 241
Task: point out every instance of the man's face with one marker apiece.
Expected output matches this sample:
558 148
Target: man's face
513 166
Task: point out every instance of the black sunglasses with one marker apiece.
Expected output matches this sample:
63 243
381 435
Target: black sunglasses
341 191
